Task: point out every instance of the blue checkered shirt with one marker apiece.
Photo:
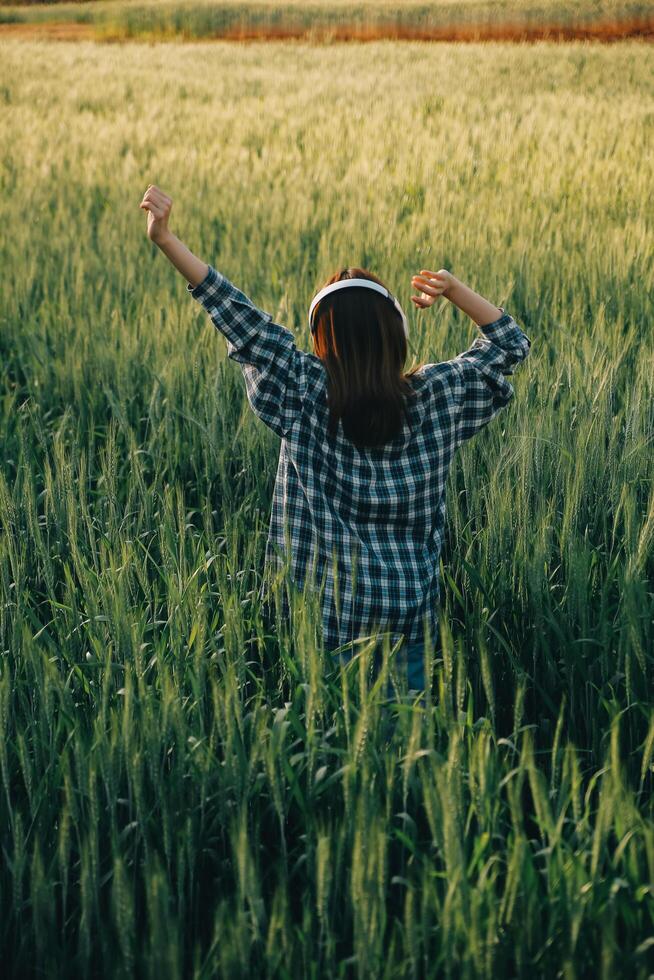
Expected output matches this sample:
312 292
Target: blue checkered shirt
363 527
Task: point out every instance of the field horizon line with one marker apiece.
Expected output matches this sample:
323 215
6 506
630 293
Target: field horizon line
603 31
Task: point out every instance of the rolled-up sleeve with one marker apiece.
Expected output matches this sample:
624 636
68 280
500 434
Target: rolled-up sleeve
273 367
482 369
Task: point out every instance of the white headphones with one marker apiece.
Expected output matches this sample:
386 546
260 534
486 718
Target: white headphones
367 284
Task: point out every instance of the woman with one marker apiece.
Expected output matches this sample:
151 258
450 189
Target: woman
359 500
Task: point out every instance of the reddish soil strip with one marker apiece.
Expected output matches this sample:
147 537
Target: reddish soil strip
604 31
59 32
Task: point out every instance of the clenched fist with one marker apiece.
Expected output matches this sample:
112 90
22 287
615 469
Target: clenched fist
158 205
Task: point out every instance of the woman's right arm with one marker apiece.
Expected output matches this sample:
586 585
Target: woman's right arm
443 283
481 387
471 303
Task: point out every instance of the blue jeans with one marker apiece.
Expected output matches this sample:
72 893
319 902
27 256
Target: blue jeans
409 665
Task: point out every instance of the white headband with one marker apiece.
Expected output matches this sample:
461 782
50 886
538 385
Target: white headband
368 284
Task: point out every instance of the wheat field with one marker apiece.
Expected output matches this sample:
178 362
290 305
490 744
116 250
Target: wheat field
188 790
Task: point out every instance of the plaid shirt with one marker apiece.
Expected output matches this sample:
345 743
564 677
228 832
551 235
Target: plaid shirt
369 524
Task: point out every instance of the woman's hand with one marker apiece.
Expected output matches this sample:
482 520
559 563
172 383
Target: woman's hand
431 286
158 206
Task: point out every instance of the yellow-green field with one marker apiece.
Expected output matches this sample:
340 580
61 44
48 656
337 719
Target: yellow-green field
186 792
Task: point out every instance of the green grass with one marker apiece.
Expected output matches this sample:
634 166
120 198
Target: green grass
201 18
185 791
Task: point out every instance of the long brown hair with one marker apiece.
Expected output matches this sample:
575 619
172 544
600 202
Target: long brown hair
360 339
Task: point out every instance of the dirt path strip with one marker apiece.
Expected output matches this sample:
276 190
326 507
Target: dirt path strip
603 31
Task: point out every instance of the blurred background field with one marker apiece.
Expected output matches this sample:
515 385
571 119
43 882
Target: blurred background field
320 20
184 792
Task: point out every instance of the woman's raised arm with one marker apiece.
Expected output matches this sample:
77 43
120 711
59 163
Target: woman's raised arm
159 205
443 283
275 371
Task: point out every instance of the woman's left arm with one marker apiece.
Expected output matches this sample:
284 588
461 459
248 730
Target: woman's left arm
192 268
158 206
275 371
